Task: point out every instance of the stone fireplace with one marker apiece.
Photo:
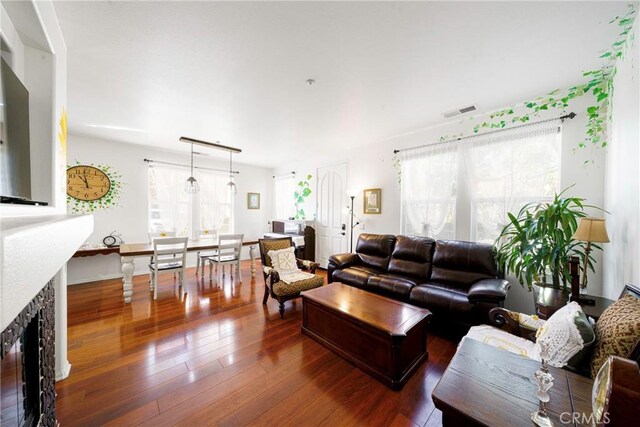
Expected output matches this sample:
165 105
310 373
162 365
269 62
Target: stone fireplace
29 393
34 251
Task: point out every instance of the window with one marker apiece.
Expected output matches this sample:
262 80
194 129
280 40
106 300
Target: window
172 209
464 190
284 187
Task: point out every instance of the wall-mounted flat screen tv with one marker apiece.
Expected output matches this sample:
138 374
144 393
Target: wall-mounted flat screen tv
15 162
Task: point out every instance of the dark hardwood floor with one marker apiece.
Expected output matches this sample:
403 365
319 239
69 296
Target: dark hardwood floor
214 355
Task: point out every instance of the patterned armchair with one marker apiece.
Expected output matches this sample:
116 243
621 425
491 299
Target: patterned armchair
278 289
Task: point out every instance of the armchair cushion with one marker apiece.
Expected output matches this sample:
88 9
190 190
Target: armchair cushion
489 290
617 331
283 289
343 260
283 260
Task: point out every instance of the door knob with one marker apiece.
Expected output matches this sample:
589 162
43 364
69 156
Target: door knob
343 233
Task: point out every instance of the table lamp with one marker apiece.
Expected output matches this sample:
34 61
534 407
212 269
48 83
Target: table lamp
590 230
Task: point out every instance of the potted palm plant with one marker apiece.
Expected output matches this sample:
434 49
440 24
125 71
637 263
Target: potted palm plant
536 245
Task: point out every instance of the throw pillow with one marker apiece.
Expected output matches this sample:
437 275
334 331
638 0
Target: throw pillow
283 260
617 331
566 336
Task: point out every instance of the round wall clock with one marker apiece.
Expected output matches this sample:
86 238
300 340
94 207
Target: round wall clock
87 183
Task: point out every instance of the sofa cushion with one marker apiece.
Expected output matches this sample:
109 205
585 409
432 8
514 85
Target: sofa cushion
460 264
617 331
391 285
357 276
374 250
412 256
441 299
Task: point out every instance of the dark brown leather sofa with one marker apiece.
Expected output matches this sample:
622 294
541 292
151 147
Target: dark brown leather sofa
456 280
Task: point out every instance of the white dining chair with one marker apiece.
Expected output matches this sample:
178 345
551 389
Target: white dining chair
169 254
158 235
229 249
202 255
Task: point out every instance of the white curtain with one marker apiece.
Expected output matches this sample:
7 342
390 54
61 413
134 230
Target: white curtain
171 208
428 191
284 187
216 202
507 170
464 189
168 202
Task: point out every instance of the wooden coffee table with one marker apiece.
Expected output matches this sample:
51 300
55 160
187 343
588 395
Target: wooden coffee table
486 386
383 337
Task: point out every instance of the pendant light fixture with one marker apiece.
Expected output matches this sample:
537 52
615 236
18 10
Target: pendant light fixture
231 183
191 186
191 182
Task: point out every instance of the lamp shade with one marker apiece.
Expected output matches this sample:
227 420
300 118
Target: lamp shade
591 230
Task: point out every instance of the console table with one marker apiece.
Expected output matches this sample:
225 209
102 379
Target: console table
486 386
129 251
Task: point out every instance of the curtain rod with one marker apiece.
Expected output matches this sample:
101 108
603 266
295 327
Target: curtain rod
562 118
186 166
292 173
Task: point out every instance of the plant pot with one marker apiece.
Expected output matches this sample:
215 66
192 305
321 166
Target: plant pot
548 299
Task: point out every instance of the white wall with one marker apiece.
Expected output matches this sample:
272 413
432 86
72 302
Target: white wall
130 219
622 179
370 166
39 59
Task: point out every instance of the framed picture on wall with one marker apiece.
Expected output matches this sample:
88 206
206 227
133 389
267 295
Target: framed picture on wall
253 200
372 201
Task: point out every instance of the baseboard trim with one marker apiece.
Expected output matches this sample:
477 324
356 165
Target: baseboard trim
64 372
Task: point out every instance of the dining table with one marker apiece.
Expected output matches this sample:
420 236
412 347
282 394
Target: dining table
129 251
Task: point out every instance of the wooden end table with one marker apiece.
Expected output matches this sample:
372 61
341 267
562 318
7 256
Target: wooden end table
383 337
486 386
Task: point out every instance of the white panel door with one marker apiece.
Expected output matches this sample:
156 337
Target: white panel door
331 221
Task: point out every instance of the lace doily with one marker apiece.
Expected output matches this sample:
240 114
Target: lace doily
559 338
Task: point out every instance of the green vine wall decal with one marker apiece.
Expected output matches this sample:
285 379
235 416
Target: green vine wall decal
600 85
300 195
109 200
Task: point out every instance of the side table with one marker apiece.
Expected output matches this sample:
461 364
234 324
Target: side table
550 300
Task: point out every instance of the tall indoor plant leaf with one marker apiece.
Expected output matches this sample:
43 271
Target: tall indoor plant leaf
537 242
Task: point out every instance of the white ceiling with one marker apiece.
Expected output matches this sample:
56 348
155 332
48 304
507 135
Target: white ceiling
236 71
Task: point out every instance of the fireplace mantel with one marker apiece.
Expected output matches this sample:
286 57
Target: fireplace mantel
32 250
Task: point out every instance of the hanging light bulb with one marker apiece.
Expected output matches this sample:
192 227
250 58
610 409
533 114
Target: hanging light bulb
231 183
191 186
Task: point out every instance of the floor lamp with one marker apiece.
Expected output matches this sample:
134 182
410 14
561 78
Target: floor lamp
352 196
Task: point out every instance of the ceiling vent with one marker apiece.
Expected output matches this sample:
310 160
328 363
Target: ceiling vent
459 111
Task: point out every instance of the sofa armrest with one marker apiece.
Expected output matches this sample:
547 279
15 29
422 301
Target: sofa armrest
343 260
493 290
